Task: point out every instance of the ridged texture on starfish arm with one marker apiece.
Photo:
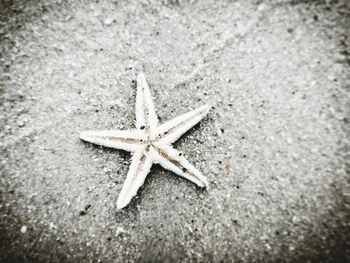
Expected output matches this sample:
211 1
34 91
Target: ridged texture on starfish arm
172 130
150 143
145 113
139 168
128 140
173 160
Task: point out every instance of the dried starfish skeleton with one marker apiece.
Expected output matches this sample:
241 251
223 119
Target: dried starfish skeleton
150 143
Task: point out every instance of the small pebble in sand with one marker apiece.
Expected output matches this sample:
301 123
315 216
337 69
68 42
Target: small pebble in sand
24 229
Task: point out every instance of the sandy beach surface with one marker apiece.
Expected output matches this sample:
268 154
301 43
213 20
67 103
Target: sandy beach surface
274 147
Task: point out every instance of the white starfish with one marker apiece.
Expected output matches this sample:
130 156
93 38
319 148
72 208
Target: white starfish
150 143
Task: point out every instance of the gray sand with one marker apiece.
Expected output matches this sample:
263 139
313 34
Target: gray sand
275 146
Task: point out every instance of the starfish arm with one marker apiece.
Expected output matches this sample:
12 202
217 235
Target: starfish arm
146 116
173 160
172 130
131 140
139 168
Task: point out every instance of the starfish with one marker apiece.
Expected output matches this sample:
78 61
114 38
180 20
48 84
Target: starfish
150 143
